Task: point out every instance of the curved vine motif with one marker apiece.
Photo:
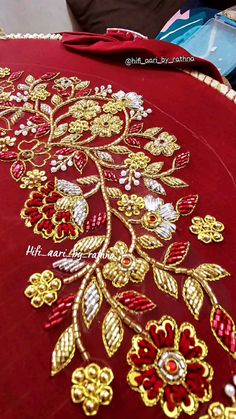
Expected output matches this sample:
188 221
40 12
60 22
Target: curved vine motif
78 127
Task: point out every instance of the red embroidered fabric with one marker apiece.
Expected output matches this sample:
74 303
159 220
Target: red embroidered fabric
203 122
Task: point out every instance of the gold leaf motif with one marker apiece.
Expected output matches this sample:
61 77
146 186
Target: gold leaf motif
165 282
149 242
64 351
82 85
87 244
193 296
92 301
153 169
60 130
119 149
174 182
154 186
88 180
114 192
150 132
209 272
112 332
56 100
29 79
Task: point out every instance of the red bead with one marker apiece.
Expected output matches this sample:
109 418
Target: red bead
171 366
152 218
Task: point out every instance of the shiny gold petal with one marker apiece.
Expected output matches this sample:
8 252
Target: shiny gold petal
112 332
193 296
64 351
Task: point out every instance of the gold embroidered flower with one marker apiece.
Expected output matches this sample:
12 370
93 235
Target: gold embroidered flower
168 367
106 125
77 127
6 88
91 387
4 72
207 229
160 217
39 92
34 151
114 107
164 144
43 288
85 109
7 142
131 99
219 411
137 160
124 266
33 179
130 204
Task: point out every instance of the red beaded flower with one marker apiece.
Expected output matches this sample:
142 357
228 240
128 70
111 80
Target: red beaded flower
168 367
57 210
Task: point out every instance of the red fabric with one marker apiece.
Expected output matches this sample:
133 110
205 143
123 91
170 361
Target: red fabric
204 123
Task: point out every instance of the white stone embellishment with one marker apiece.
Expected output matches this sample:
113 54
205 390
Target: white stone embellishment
230 390
80 212
68 265
68 188
91 302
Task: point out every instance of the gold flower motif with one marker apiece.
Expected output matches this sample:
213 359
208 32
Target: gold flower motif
77 127
6 88
86 109
4 72
137 161
34 151
33 179
114 107
130 205
39 92
219 411
124 267
6 142
164 144
106 125
43 289
91 387
207 229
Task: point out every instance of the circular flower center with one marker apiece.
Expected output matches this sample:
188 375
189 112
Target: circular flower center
152 220
172 367
127 262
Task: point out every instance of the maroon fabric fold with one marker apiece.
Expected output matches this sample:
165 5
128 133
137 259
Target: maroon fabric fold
121 46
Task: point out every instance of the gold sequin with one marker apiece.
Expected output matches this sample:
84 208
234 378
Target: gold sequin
207 229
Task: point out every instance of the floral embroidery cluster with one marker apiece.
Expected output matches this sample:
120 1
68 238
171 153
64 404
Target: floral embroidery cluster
52 124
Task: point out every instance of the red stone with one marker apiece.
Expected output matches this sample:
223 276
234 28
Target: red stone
126 261
152 218
171 366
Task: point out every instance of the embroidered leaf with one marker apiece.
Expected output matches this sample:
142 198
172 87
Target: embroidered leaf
82 85
135 302
136 128
80 159
134 142
112 332
60 130
181 160
80 212
68 265
17 169
92 301
187 204
150 132
110 176
83 92
174 182
49 76
8 155
209 272
15 76
88 180
56 100
87 245
64 351
66 203
153 169
68 188
114 192
37 119
165 282
64 152
45 108
42 130
104 156
223 328
176 253
29 79
60 312
96 221
193 296
70 138
149 242
154 186
119 149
